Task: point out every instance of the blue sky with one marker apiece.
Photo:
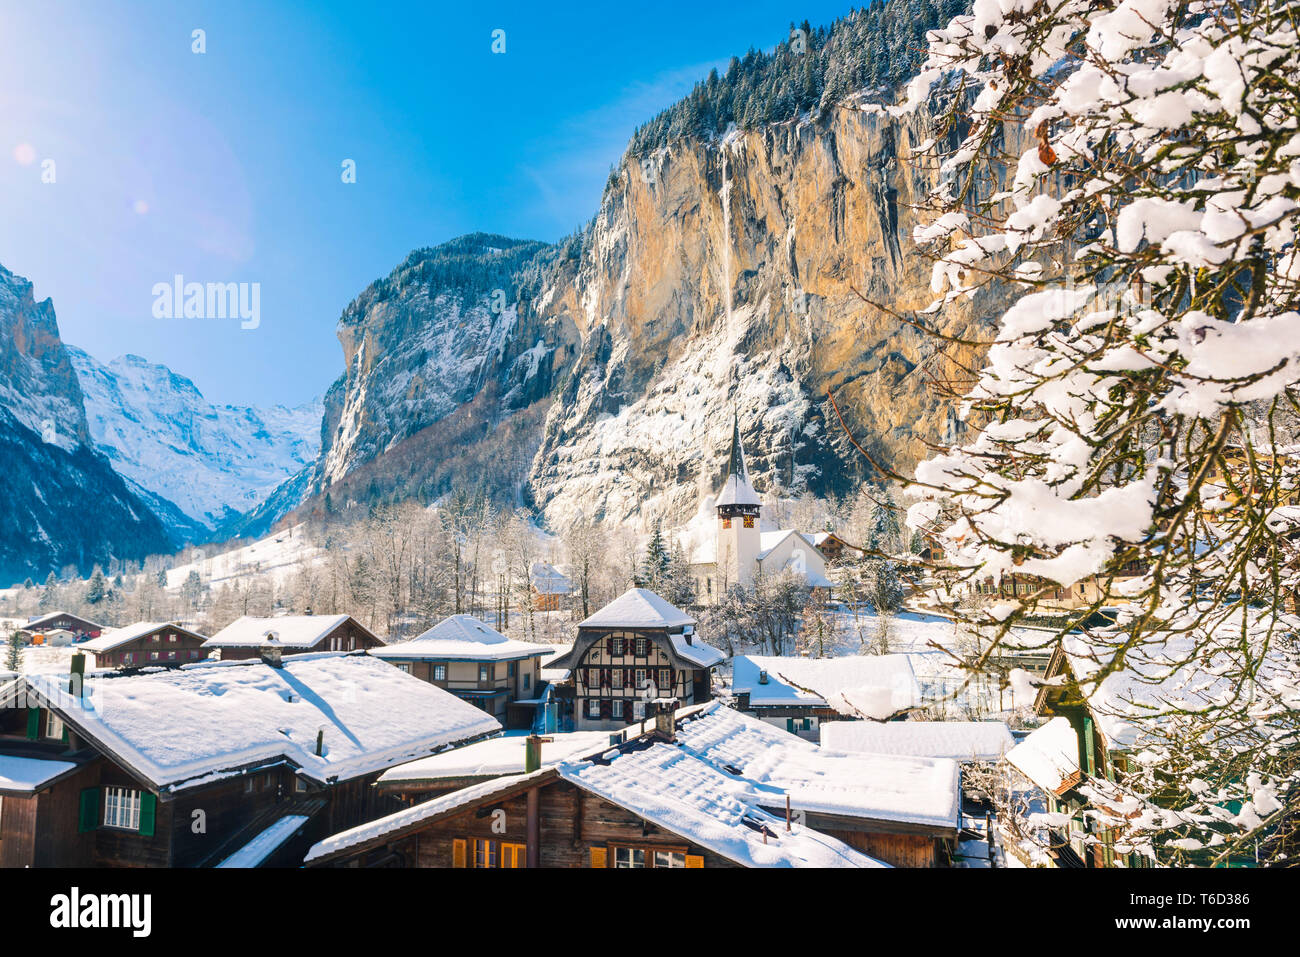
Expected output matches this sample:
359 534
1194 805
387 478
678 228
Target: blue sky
225 166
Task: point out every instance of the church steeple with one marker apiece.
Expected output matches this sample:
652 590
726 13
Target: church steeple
738 496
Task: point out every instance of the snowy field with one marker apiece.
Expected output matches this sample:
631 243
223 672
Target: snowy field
275 557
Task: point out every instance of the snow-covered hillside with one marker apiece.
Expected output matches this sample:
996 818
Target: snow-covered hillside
208 460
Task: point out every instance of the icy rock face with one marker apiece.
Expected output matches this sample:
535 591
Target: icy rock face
427 340
210 461
63 503
727 275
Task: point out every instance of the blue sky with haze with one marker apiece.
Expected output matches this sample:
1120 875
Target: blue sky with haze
225 166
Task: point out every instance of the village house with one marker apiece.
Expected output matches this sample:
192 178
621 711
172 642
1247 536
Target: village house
476 663
249 761
836 550
146 643
244 637
742 550
802 694
60 621
697 787
550 587
636 649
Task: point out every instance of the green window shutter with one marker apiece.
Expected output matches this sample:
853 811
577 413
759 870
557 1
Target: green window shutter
64 738
33 723
148 807
89 818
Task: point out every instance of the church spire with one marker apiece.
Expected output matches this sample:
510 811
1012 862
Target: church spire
736 489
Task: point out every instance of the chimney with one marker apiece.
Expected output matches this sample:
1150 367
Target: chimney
272 650
666 720
762 677
320 741
77 677
533 752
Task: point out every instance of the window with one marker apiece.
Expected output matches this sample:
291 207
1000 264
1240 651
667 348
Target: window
171 656
510 670
122 808
629 857
593 707
129 658
484 673
439 672
514 855
194 654
616 646
618 678
53 725
617 708
640 647
485 853
299 786
669 859
665 679
404 666
248 785
640 678
153 656
171 637
528 680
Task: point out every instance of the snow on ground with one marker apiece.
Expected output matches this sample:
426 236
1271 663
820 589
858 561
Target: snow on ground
277 556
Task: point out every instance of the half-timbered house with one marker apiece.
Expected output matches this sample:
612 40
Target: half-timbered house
636 649
190 766
146 643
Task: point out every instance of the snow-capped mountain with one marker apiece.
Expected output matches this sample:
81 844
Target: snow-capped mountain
62 503
211 462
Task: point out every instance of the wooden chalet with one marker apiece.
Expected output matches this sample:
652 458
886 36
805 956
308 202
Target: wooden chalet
898 810
636 649
836 549
801 694
645 803
189 767
62 621
551 589
146 643
243 639
477 663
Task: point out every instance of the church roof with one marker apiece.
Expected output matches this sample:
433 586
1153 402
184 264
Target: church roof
736 488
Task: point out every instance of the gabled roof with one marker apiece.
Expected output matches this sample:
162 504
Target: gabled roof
958 740
117 637
638 608
294 631
549 580
736 487
26 775
923 792
871 686
1049 757
41 620
181 727
462 638
660 783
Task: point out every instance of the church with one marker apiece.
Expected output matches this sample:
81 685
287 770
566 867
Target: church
742 549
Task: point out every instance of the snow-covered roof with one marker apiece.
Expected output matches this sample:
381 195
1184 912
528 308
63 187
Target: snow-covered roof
1049 756
692 798
706 656
958 740
549 580
24 775
185 726
555 675
495 757
737 489
872 686
41 620
638 608
462 638
266 842
923 791
109 640
663 784
294 631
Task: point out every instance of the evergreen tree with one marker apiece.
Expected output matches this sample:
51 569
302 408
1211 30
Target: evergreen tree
48 592
14 658
96 588
654 570
28 584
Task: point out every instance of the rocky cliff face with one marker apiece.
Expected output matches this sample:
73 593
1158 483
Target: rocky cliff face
62 502
732 275
716 276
